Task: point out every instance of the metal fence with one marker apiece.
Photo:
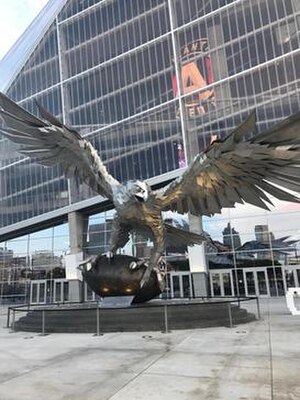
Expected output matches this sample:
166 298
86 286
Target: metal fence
160 315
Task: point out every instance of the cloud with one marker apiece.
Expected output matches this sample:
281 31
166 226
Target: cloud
16 16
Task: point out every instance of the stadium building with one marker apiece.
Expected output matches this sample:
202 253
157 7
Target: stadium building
147 82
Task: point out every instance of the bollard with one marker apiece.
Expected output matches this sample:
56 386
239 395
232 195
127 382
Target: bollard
43 323
166 319
230 315
98 320
258 308
14 318
8 318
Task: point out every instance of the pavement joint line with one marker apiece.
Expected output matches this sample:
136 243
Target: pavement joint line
51 362
210 392
166 351
179 375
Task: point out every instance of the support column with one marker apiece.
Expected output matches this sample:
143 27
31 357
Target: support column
77 234
198 264
197 260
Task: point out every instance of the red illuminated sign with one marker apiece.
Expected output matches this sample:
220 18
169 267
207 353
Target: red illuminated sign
196 73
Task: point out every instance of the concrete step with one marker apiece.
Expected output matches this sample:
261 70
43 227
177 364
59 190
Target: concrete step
134 318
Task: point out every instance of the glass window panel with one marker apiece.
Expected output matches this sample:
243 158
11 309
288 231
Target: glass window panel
66 291
42 292
298 275
186 286
238 282
89 42
176 286
34 291
227 284
40 71
262 283
89 293
189 10
58 287
216 284
122 88
250 283
289 278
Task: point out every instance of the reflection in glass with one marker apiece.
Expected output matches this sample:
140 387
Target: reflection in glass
227 284
298 276
279 280
50 291
58 291
176 286
262 283
289 278
272 282
239 284
186 286
216 284
42 293
250 283
66 291
276 283
34 291
89 294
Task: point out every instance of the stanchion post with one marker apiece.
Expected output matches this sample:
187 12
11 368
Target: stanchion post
258 308
14 318
166 319
230 315
98 320
8 318
43 323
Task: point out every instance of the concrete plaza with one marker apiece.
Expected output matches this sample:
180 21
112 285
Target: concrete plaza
259 360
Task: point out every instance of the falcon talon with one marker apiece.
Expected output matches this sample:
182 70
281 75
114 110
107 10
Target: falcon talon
86 264
109 255
133 265
143 281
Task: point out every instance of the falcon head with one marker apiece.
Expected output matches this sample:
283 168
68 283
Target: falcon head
139 190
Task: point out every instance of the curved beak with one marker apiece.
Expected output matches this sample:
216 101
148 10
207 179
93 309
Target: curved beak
140 196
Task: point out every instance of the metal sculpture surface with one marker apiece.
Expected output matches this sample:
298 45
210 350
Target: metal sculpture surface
233 170
121 276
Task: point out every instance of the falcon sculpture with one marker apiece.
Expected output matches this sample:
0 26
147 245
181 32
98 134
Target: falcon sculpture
233 170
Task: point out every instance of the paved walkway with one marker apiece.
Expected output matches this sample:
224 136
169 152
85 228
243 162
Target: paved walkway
256 361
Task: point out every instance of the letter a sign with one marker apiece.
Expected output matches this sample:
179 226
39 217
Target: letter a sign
196 74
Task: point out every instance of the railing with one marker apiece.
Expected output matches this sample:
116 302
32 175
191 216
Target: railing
161 315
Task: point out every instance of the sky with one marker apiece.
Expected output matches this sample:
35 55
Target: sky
16 15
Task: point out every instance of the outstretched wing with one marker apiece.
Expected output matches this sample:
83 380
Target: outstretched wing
50 142
236 170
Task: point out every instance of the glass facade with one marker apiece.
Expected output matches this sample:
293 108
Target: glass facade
148 82
38 255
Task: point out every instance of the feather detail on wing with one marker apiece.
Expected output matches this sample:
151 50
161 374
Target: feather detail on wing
236 170
178 237
50 142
